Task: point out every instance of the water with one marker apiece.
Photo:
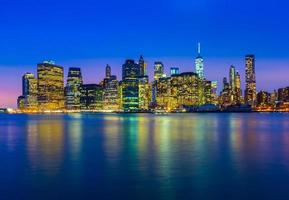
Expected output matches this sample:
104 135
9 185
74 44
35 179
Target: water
144 156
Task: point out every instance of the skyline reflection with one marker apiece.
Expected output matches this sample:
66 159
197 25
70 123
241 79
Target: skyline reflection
111 154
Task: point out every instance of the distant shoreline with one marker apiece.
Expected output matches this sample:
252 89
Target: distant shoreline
156 113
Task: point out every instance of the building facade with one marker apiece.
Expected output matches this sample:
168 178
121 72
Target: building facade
29 92
72 89
144 93
110 94
250 91
130 95
142 66
50 86
163 95
130 86
91 98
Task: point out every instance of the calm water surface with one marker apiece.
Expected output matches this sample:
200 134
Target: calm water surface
144 156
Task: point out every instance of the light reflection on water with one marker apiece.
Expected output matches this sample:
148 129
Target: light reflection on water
145 156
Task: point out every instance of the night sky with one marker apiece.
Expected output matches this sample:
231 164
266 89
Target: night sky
90 33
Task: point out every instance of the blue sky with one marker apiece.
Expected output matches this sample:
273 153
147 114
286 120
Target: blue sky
88 32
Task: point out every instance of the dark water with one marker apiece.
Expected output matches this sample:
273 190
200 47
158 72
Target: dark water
144 156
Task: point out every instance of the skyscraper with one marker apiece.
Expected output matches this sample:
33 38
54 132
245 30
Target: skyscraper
250 91
163 94
225 97
199 63
239 98
110 94
21 102
50 86
107 71
130 95
144 92
26 83
72 89
91 97
238 80
158 70
29 91
208 95
225 84
186 90
232 81
129 86
130 69
232 78
110 91
214 92
174 70
142 66
158 73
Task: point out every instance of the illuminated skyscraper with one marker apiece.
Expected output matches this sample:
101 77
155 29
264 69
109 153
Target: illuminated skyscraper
110 94
91 97
144 92
232 82
232 78
163 94
130 70
238 80
225 84
174 70
186 89
144 89
50 86
29 91
214 92
142 66
129 86
28 83
239 98
107 71
21 102
225 97
72 89
250 91
231 93
110 91
158 70
208 96
199 63
158 73
130 95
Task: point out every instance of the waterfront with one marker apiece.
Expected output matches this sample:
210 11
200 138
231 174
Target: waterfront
145 156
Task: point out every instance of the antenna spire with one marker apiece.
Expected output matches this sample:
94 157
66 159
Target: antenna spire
199 48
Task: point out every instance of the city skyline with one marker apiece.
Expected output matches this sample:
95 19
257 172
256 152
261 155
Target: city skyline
178 91
92 74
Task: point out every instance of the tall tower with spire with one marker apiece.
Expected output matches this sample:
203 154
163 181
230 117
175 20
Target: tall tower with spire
107 71
142 66
199 63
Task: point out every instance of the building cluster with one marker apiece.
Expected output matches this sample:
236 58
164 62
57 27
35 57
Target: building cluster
231 94
186 91
278 100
